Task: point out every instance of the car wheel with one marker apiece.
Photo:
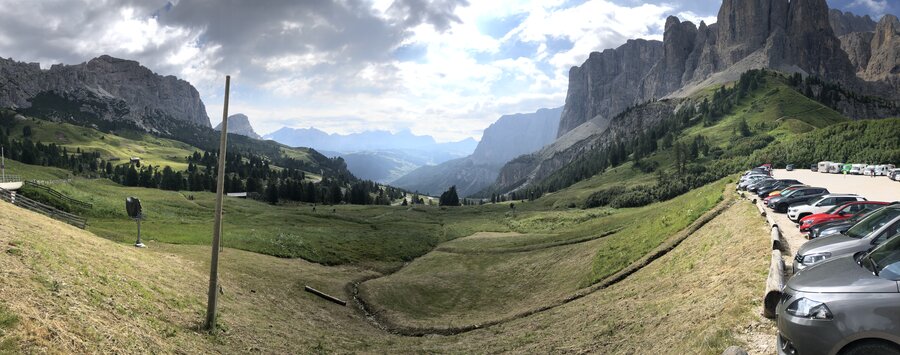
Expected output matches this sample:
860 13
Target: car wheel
872 347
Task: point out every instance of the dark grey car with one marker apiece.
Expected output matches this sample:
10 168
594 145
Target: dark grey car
847 305
872 230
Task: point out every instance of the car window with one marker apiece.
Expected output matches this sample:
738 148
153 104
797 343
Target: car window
887 233
886 259
872 222
853 208
826 201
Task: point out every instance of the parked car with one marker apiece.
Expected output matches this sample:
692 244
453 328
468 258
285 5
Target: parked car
780 204
751 179
885 169
823 166
872 170
869 232
789 167
775 185
856 169
777 194
753 187
835 227
849 305
894 174
835 168
814 168
821 204
839 212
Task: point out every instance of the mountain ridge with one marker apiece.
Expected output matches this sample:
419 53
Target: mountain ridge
102 89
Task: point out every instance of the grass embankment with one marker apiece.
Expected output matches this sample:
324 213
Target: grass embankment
64 290
474 280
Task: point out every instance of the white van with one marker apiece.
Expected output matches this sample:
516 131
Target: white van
872 170
835 168
885 169
823 166
857 169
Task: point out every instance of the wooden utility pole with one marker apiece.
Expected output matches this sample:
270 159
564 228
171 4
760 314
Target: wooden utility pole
217 225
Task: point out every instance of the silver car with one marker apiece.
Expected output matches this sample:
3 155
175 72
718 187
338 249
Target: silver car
846 305
875 228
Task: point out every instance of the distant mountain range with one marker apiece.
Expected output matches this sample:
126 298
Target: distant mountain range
380 156
509 137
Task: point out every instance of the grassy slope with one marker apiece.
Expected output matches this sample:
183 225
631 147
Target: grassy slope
69 291
470 280
126 144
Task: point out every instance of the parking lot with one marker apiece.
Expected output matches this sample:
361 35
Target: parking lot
878 188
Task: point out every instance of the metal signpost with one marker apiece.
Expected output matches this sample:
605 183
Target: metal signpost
217 225
133 207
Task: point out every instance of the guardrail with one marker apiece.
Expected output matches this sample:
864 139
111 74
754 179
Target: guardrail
59 195
32 205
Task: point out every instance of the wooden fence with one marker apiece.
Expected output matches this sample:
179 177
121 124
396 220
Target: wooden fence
41 208
59 195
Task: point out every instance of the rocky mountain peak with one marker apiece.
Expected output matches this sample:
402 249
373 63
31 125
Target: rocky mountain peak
843 23
239 124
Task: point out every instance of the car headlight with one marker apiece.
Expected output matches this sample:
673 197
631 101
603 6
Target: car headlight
808 221
807 308
814 258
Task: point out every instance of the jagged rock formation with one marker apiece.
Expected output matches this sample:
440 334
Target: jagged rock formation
795 36
884 61
509 137
843 23
608 82
858 46
103 88
239 124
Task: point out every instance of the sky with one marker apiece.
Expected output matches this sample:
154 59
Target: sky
445 68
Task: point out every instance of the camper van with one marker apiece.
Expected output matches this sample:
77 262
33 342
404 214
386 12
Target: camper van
823 166
835 168
872 170
856 169
884 170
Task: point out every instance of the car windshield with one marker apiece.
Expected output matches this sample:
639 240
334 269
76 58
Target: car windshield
872 222
884 260
834 209
789 193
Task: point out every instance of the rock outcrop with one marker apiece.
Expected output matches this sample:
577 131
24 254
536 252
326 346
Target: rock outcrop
858 46
843 23
884 61
103 88
608 82
239 124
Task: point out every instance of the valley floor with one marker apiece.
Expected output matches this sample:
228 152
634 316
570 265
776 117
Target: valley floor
67 290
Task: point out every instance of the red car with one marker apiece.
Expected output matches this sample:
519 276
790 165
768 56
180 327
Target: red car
836 213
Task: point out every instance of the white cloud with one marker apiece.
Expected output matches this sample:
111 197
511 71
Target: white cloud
878 7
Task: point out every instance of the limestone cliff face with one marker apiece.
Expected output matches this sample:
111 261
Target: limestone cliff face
858 46
239 124
843 23
104 88
884 61
608 82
